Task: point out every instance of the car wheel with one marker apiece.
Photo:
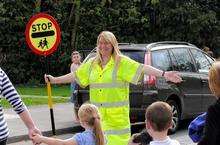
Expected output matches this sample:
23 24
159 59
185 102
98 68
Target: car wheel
176 116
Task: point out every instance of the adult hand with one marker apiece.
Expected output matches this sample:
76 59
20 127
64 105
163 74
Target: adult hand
49 78
173 76
37 139
33 132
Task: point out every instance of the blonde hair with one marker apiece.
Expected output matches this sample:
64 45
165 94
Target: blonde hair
159 114
108 37
89 113
206 49
214 79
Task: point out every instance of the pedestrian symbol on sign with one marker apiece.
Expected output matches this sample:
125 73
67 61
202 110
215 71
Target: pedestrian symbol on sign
43 44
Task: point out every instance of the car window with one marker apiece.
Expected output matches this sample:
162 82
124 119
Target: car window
209 58
161 60
183 59
201 61
135 55
90 55
87 54
174 62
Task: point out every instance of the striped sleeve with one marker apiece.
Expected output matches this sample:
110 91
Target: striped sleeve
10 94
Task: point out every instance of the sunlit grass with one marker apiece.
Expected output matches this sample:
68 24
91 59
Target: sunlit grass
37 95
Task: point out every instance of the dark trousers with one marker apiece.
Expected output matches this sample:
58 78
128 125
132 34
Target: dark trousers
3 142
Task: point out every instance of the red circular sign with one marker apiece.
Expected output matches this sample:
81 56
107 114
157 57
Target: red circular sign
42 34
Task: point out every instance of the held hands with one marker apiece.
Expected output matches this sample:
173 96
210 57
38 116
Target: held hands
173 76
33 132
37 139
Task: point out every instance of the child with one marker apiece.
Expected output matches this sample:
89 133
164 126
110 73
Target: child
75 58
93 135
158 121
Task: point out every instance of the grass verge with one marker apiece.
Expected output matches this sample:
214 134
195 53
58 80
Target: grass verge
37 95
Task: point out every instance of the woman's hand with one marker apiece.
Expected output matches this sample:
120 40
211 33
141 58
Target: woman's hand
68 78
172 76
49 78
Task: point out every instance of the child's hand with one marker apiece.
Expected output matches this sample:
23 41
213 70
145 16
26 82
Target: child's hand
37 139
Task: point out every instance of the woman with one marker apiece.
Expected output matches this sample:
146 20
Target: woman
109 75
212 124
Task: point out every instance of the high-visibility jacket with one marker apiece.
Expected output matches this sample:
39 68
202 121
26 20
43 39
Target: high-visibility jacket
109 90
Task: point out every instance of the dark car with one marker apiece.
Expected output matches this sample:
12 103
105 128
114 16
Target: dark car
187 99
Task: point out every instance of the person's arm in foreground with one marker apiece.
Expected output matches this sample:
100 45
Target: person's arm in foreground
53 141
169 75
26 118
68 78
11 95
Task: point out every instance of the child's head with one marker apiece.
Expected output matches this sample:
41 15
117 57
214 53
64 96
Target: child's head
159 116
214 78
89 115
206 49
75 57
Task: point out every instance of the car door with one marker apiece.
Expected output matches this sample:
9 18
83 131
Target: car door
203 63
191 86
136 91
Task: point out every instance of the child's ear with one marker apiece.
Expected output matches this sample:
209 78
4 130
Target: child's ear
171 124
148 126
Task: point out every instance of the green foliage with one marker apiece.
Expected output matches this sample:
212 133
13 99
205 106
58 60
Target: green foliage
138 21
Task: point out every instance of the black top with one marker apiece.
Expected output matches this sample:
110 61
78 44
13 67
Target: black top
212 126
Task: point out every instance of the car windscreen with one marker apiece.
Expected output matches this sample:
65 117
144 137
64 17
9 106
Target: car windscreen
136 55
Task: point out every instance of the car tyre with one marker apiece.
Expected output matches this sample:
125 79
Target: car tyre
176 116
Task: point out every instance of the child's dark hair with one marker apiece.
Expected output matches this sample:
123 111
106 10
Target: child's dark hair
74 53
142 138
159 115
89 113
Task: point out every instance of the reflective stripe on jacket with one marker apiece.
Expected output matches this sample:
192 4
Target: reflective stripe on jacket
109 90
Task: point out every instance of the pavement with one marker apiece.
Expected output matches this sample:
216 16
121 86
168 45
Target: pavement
63 118
64 124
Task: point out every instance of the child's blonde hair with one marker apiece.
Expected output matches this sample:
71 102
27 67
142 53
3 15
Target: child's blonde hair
89 113
214 78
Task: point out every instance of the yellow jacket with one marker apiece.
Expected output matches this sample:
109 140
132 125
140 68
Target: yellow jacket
109 90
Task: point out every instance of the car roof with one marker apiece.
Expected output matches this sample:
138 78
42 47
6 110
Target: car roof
132 46
155 46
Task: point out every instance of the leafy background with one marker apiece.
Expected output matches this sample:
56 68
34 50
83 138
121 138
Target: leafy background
137 21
